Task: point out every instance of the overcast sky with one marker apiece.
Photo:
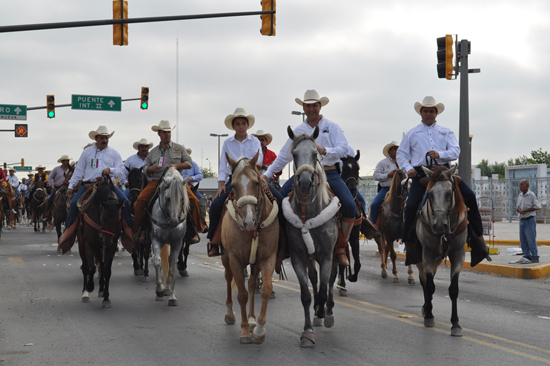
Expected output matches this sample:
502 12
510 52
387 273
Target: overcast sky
372 59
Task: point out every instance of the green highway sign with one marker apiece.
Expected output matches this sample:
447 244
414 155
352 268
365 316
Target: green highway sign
96 103
23 168
10 111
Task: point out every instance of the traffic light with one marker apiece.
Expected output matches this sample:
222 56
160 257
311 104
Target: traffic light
268 20
120 31
5 166
22 162
50 106
144 104
445 57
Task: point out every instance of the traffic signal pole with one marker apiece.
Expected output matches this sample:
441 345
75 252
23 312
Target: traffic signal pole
465 159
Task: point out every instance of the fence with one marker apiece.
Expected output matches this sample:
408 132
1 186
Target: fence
504 194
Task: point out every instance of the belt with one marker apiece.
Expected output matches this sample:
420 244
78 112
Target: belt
526 218
331 167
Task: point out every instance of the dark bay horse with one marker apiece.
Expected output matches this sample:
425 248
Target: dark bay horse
250 235
38 205
98 235
60 207
391 224
441 229
137 180
312 233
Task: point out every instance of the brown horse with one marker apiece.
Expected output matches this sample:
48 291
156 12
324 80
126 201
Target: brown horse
38 205
391 225
250 234
8 203
61 204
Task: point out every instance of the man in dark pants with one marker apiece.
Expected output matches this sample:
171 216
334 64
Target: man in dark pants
429 140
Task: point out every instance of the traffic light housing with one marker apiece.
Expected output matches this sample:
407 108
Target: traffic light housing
445 57
22 162
5 166
144 103
120 31
268 20
50 106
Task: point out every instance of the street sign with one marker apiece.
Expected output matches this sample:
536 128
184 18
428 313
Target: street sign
23 168
21 130
10 111
96 103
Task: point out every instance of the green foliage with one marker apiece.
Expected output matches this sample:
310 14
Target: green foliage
537 157
208 173
487 169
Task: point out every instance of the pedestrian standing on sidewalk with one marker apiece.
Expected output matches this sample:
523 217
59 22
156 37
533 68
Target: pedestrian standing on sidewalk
526 206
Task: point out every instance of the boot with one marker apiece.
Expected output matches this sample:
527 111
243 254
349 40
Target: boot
213 250
369 229
413 251
127 237
346 225
480 251
66 240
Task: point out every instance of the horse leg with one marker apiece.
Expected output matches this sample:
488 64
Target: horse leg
429 289
165 264
252 284
393 257
135 261
106 273
312 274
230 314
258 336
156 260
329 318
381 243
182 257
354 243
242 296
145 255
456 256
411 276
342 291
325 272
173 259
307 338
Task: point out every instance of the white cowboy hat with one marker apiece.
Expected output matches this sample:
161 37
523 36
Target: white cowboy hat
63 157
11 170
239 112
429 102
268 136
88 145
142 142
386 149
189 151
310 97
163 125
72 163
40 167
101 130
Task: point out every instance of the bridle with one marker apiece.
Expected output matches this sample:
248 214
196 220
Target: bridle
163 210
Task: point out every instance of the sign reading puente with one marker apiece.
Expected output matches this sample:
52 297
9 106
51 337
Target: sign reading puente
96 103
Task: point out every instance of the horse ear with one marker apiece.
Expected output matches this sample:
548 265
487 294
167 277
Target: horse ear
357 156
453 170
254 159
316 132
290 133
230 161
427 171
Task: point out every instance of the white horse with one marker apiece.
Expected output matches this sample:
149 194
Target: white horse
168 226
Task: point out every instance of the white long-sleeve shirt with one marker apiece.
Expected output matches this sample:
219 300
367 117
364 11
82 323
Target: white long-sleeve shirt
92 162
383 168
421 139
236 149
331 137
57 176
13 180
134 161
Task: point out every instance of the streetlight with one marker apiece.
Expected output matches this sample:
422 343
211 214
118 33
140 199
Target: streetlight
218 136
296 113
209 169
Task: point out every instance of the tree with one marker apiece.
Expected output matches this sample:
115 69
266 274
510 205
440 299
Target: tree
487 170
208 173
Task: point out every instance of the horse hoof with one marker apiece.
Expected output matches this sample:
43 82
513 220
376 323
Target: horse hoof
35 229
352 278
172 302
160 296
329 321
396 280
184 273
230 319
258 340
317 322
307 340
456 332
384 274
138 272
246 339
106 304
429 323
85 299
411 281
343 293
272 296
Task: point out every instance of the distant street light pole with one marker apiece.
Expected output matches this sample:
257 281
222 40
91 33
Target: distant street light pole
209 168
296 113
218 136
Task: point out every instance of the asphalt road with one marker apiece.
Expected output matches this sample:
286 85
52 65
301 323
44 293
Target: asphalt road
43 321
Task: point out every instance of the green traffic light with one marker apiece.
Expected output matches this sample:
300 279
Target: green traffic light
51 114
144 105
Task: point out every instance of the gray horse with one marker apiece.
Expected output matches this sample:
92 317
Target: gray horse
312 233
168 221
441 229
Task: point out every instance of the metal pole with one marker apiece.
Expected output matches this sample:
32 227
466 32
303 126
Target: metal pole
465 159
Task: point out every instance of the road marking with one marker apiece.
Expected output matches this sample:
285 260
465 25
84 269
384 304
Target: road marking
16 260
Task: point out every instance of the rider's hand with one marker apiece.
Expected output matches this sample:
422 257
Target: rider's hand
106 171
391 174
69 192
411 173
264 177
221 190
433 154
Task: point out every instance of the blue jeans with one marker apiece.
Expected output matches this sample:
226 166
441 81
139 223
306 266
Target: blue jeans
50 198
339 188
376 203
528 237
363 203
73 210
126 193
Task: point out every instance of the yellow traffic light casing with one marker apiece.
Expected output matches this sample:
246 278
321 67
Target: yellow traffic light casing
120 31
445 57
22 162
144 103
50 106
268 20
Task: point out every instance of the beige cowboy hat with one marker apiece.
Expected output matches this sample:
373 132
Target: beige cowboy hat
101 130
268 136
429 102
72 163
386 149
40 167
11 170
88 145
142 142
63 157
310 97
163 125
189 151
239 112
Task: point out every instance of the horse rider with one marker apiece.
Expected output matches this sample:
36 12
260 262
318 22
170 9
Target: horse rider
383 173
431 140
95 161
269 155
332 146
2 176
55 180
136 160
14 181
239 145
195 175
165 155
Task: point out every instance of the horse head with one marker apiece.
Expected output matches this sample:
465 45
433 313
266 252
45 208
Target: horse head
247 189
350 172
136 182
172 201
110 217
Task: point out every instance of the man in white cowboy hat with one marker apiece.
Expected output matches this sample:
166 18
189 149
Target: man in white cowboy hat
39 176
429 140
14 181
136 160
269 156
163 156
383 173
332 145
95 161
55 180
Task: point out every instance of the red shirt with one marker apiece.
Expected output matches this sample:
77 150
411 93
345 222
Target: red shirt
269 157
3 175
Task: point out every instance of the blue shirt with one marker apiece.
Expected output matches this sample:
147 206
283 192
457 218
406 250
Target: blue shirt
195 173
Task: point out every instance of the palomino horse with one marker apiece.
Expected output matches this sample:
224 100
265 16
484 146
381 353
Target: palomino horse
441 229
137 180
312 233
38 205
168 221
61 203
98 237
391 224
250 234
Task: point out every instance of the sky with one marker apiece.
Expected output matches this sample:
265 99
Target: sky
372 59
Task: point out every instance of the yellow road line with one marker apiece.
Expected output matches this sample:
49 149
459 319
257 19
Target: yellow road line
16 260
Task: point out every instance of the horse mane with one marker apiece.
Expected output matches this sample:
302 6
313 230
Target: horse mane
299 139
174 179
437 176
393 186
